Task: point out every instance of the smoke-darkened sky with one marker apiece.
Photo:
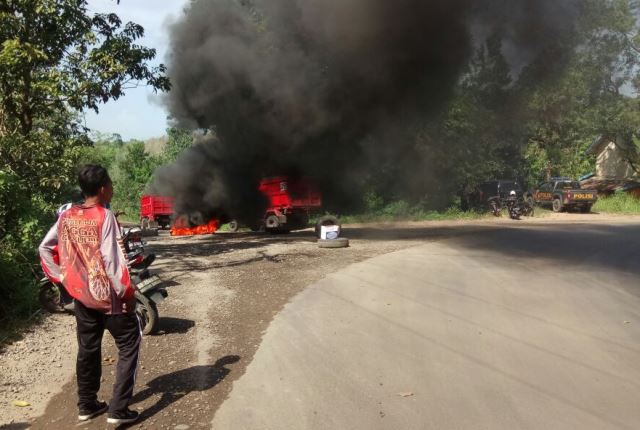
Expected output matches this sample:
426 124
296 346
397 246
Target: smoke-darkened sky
298 86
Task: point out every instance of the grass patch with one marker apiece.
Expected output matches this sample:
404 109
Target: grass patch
542 212
620 203
129 219
224 228
402 211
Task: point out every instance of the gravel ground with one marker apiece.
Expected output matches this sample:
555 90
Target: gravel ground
35 368
224 290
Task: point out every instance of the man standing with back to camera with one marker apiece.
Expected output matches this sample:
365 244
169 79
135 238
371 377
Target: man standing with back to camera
93 269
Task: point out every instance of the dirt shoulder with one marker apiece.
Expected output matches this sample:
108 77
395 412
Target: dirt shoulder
224 290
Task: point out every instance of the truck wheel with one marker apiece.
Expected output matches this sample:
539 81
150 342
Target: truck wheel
147 313
585 209
557 205
341 242
272 223
233 226
144 223
326 221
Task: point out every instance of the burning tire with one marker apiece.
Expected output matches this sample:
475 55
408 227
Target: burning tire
326 221
340 242
195 219
147 313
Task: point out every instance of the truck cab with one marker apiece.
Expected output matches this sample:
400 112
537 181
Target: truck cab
290 204
563 194
490 194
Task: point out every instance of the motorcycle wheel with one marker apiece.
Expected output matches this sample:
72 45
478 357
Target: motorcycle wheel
495 208
147 313
51 298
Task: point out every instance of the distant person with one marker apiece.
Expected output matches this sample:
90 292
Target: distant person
93 270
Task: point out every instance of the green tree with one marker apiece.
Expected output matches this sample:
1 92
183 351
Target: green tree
133 170
475 138
103 150
594 94
177 141
56 60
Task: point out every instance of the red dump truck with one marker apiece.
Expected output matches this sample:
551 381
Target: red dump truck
155 211
290 204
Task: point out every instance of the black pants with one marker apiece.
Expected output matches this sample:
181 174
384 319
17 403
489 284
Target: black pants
125 330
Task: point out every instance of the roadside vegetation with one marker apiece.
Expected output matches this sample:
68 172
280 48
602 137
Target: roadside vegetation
619 203
57 61
131 165
415 214
375 210
401 211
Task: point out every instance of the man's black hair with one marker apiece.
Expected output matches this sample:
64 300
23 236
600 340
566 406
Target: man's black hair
91 178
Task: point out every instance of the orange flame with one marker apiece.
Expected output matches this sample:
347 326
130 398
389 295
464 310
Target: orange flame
208 228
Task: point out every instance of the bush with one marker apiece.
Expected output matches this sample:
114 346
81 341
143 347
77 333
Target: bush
24 217
401 210
620 202
17 285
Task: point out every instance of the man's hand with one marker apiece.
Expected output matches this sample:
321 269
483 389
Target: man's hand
129 306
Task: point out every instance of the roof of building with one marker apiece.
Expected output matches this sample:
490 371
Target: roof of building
602 141
609 184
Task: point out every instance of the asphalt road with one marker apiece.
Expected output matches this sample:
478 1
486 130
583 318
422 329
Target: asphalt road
536 327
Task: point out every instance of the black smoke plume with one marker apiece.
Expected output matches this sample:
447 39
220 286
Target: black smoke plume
303 87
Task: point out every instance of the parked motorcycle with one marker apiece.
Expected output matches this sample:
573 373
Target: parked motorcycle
55 298
517 207
149 292
149 287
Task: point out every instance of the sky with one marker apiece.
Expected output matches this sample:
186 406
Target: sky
139 114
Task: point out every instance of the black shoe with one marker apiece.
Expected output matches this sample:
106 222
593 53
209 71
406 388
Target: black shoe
126 417
88 412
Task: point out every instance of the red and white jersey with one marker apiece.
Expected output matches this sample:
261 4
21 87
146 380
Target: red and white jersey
92 266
